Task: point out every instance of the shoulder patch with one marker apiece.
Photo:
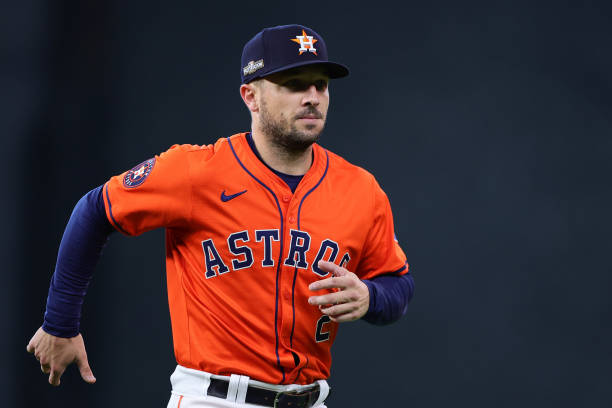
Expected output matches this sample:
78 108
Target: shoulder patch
138 174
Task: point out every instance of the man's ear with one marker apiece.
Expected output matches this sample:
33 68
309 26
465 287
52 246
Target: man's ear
249 92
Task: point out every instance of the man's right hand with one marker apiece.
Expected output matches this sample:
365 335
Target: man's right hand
56 353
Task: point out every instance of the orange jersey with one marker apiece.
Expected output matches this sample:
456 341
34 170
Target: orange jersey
241 250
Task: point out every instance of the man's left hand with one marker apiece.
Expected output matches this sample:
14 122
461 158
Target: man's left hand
349 303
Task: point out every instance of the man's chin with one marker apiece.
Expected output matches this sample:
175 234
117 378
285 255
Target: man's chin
300 141
310 130
310 136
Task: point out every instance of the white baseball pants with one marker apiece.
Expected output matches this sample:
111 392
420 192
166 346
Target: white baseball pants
189 388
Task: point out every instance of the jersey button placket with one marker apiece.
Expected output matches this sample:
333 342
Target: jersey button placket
287 277
287 200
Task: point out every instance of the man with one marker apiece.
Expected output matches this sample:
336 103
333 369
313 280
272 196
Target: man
272 241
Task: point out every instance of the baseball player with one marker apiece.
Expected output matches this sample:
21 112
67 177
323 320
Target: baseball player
272 241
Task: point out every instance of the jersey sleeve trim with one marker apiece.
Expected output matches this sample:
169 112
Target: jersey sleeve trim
405 267
110 212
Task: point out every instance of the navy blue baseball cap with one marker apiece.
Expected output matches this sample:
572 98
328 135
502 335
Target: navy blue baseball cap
276 49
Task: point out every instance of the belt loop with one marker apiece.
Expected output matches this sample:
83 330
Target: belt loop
206 383
188 381
323 392
243 386
232 389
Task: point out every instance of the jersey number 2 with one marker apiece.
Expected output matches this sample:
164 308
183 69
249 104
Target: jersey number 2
321 335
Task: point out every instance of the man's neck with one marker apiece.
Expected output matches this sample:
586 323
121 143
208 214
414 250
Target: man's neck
278 158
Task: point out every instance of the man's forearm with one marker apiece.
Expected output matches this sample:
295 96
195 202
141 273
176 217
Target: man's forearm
84 238
389 298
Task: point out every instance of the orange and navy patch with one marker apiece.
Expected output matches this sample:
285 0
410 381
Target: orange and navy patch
306 42
138 174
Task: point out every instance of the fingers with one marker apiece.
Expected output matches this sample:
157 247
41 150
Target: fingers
85 370
329 283
337 310
341 278
340 282
346 312
331 299
54 377
54 380
350 299
346 317
55 354
54 371
31 347
332 268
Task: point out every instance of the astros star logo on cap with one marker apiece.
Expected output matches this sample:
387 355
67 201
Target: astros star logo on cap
306 42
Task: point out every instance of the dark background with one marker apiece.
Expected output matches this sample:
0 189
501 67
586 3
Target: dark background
487 123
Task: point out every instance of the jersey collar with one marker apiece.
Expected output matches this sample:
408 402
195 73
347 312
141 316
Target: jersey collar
249 159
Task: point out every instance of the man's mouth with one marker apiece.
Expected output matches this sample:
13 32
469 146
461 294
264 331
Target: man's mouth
310 115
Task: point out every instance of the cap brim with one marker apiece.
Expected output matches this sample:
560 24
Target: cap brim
334 69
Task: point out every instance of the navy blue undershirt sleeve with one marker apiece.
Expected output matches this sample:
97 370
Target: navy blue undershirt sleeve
389 298
84 238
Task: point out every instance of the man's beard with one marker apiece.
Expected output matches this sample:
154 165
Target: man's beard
285 135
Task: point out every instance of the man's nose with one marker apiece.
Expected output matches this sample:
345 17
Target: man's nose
311 96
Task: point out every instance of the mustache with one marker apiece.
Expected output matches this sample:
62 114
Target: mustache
311 111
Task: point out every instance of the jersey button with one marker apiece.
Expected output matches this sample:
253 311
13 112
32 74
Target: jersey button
286 198
292 219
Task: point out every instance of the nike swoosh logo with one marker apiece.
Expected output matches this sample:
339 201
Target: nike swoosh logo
225 198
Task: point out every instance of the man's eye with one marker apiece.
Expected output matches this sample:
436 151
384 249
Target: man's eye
300 85
321 85
296 85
